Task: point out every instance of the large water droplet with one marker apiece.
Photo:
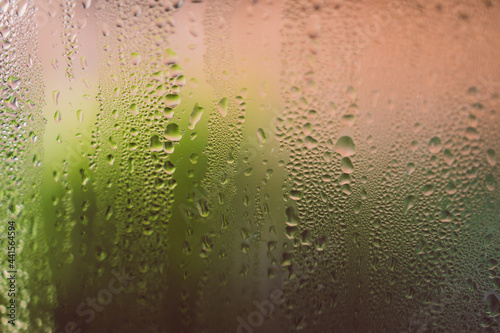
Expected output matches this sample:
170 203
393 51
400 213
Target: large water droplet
172 100
172 132
134 109
435 145
170 57
156 144
409 202
222 106
345 146
195 116
346 165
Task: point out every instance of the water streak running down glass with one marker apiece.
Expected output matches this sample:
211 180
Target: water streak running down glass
250 166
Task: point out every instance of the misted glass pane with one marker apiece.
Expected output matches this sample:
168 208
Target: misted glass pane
249 166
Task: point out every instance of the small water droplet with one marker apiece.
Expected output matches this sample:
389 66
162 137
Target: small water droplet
57 116
451 188
134 109
261 135
428 189
105 30
313 27
136 58
491 157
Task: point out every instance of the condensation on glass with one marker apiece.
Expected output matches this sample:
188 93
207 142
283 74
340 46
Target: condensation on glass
251 166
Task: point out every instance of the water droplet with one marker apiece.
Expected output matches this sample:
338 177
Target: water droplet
21 7
428 189
86 3
351 94
172 132
348 120
12 103
134 109
491 157
471 133
136 10
202 205
79 116
110 159
222 106
172 100
492 264
83 63
13 82
448 157
175 70
55 97
409 202
136 58
261 135
291 217
57 116
411 167
344 179
4 6
310 142
169 167
345 146
313 27
112 143
346 165
435 145
346 189
193 158
170 57
195 116
490 183
451 188
168 112
295 195
445 216
492 304
156 144
105 29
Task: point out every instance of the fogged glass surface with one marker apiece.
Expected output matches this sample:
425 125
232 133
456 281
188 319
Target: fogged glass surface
251 166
